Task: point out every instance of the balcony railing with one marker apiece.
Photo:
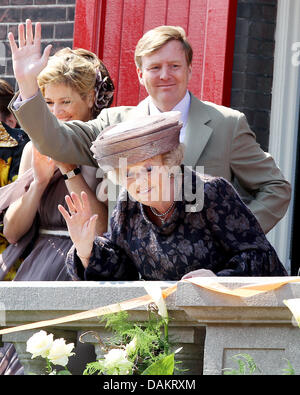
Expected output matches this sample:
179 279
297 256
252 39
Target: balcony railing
210 326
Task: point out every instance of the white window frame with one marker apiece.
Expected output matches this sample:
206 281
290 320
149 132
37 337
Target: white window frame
284 120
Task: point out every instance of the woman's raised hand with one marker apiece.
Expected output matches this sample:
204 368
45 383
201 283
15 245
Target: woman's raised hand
27 59
81 224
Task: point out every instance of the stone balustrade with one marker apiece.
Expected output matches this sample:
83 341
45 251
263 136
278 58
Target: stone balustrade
211 327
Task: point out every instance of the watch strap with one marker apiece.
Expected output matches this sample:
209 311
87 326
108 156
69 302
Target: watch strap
72 173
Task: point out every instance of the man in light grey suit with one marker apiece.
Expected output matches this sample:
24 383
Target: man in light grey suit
214 136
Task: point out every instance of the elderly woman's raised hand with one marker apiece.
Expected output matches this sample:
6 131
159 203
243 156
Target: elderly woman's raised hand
27 59
81 224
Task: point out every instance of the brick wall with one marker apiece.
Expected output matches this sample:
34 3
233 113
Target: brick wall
253 64
57 17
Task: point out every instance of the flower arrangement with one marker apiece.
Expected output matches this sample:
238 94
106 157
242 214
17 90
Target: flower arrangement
55 352
133 349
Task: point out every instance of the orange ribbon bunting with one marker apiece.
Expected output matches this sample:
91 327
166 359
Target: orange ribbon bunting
204 282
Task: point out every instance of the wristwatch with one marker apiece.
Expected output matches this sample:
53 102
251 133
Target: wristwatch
72 173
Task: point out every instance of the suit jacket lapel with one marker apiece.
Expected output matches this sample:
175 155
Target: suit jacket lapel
197 132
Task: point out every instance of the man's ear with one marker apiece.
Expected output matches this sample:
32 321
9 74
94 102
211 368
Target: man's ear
140 75
11 121
190 73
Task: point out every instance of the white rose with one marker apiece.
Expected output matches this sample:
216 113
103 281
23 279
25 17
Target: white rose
39 344
131 347
60 352
116 362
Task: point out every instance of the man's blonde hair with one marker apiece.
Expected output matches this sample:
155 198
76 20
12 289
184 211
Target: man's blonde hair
156 38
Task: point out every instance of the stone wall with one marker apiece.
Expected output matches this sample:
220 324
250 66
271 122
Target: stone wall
211 326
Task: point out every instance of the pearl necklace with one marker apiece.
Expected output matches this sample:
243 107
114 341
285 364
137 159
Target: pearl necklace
162 214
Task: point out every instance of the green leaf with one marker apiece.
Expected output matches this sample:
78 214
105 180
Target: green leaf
246 364
64 373
164 366
290 370
92 368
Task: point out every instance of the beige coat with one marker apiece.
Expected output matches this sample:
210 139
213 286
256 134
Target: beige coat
217 138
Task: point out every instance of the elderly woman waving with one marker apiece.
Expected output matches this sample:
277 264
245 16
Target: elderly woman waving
170 222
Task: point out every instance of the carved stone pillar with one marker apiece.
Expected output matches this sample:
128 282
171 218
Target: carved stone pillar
191 339
19 339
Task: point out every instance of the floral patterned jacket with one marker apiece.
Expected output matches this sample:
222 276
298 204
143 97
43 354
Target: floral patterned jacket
223 237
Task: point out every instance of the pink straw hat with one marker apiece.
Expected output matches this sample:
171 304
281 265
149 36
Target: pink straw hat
137 139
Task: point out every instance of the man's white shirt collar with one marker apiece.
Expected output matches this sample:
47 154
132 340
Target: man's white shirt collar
183 106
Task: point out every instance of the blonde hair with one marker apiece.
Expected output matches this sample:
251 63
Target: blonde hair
76 68
156 38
